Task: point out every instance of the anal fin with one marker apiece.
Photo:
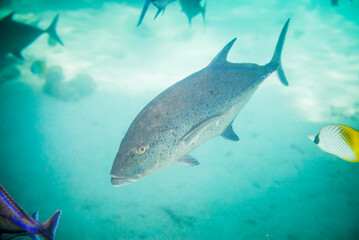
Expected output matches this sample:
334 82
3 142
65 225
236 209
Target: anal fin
229 134
188 160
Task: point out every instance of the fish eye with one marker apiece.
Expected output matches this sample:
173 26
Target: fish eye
316 139
142 149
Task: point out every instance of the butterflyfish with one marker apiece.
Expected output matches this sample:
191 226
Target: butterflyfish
339 140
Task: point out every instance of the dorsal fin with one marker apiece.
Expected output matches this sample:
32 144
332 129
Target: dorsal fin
221 57
35 216
17 53
8 17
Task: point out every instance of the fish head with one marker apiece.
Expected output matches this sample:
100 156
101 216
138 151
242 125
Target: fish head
325 137
141 153
314 138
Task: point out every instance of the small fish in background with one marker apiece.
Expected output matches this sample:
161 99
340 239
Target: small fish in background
189 113
8 68
160 4
336 2
39 67
81 86
339 140
192 8
16 36
16 222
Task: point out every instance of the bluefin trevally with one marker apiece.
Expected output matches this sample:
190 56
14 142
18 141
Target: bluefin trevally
15 221
16 36
193 7
190 112
160 4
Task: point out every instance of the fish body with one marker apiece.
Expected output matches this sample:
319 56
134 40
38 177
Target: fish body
16 36
339 140
187 114
192 8
14 220
160 4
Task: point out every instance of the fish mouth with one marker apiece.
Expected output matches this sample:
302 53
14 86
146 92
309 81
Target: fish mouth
311 137
122 180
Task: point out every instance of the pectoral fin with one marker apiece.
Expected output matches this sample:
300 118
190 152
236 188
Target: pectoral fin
192 136
188 160
35 216
229 134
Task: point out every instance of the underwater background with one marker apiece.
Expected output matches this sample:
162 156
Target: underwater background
57 147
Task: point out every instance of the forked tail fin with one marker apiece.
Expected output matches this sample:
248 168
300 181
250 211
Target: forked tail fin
50 226
203 11
51 30
143 13
159 10
276 59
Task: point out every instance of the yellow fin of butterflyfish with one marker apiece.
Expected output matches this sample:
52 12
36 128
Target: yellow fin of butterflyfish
351 137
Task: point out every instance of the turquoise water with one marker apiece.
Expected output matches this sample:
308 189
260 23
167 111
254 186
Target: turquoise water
57 150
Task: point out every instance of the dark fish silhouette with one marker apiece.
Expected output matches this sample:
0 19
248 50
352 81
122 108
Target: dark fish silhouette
336 2
192 8
15 36
15 221
189 113
160 4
